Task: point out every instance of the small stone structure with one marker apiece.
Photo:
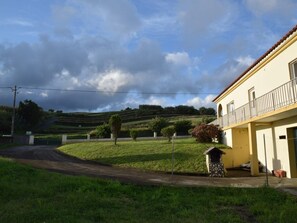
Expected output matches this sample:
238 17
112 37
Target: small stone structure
213 161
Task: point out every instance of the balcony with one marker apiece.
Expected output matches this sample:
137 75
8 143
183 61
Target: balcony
257 110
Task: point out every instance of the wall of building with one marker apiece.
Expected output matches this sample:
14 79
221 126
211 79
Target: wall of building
275 73
239 152
277 149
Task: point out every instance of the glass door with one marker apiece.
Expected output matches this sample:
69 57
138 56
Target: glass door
252 102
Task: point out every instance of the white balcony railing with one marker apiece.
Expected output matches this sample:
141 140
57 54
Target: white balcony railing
278 98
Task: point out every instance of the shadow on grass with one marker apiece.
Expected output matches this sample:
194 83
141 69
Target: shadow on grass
143 158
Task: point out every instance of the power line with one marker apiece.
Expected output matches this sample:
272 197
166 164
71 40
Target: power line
6 87
112 92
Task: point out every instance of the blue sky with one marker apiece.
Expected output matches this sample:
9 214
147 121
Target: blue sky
132 52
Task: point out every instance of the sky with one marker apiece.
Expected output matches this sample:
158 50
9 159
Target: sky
102 55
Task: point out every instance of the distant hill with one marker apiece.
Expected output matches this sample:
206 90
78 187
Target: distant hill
59 122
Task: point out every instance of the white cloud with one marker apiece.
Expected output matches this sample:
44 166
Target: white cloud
155 101
179 58
245 60
198 102
17 22
44 94
111 81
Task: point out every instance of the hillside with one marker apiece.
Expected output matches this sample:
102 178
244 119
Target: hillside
83 122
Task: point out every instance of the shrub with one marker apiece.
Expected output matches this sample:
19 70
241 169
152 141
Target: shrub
157 124
102 131
133 134
182 126
206 133
168 132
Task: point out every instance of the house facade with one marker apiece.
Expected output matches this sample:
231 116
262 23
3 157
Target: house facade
258 111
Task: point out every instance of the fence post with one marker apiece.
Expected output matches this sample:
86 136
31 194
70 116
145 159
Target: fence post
64 139
88 137
31 139
155 135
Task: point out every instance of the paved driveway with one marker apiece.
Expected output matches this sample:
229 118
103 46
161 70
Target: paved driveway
47 157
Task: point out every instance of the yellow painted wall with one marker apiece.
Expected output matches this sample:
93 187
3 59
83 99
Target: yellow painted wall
240 149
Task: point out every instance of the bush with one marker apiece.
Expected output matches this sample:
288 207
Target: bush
206 133
182 127
168 132
102 131
133 134
157 124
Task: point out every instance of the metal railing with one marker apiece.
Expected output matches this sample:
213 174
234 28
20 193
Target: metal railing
278 98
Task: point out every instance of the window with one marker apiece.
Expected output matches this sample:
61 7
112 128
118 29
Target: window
293 69
230 107
252 97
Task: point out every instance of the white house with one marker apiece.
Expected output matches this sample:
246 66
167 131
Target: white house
258 110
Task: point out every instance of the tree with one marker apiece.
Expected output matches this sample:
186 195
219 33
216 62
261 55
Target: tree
184 109
157 124
203 111
206 133
5 120
29 113
168 132
211 111
182 126
115 123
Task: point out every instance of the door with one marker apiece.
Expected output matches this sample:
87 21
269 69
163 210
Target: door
293 73
295 144
252 102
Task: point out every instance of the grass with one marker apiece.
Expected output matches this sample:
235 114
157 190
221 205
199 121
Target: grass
30 195
8 145
148 155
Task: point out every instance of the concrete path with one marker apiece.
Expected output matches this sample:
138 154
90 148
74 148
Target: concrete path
47 157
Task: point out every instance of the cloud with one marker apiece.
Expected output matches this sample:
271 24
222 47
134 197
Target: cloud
111 81
113 18
17 22
91 64
224 74
276 7
200 19
179 58
198 102
245 60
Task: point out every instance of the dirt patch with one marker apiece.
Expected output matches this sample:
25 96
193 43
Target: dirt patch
244 214
242 211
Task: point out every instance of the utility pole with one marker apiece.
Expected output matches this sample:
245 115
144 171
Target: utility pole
14 90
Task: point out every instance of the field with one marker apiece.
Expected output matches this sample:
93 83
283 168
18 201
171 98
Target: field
147 154
30 195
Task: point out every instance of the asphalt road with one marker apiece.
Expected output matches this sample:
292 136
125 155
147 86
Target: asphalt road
47 157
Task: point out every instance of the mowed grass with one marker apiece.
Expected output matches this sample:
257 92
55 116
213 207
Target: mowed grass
153 155
31 195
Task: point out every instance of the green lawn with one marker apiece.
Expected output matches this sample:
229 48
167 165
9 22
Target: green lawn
149 154
31 195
